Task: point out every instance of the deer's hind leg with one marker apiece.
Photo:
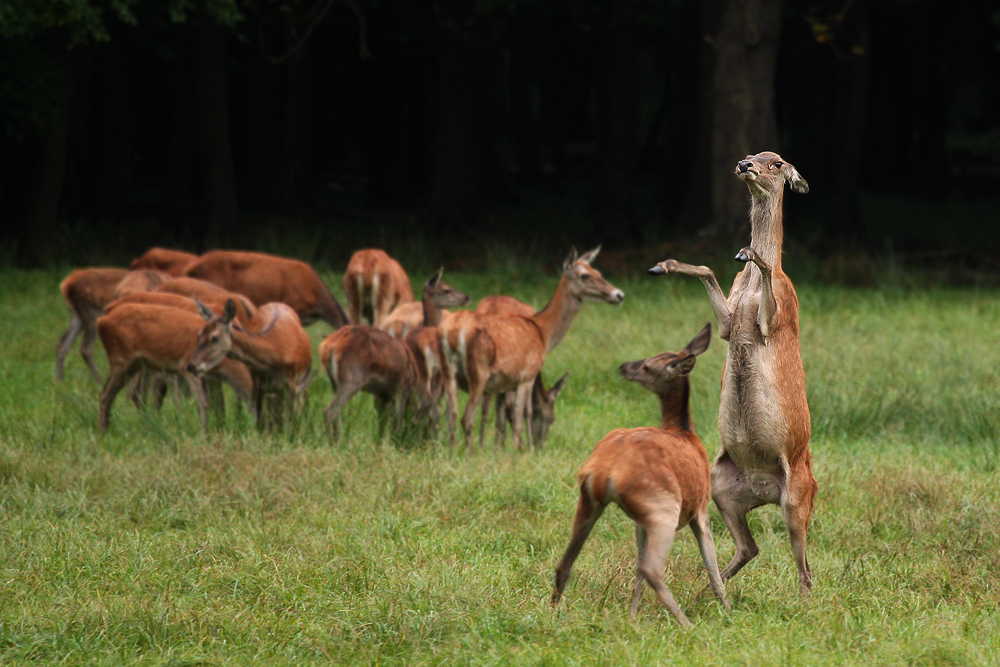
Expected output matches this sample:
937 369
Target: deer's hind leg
734 497
796 508
706 545
660 527
71 334
587 514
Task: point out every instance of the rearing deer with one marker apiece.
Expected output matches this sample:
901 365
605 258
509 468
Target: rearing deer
763 413
658 476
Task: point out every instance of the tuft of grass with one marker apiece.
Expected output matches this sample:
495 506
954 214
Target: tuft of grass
153 545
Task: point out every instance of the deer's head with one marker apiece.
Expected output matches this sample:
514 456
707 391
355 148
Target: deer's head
659 373
543 404
766 174
444 295
214 340
585 282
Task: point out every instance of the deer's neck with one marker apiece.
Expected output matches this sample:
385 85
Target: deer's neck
555 318
254 350
675 408
766 229
432 313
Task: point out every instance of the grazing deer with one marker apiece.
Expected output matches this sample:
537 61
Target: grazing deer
86 293
268 278
211 295
763 413
375 284
171 262
542 413
138 336
273 344
500 354
362 358
658 476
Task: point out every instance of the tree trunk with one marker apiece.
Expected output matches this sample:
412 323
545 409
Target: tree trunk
618 96
50 171
217 177
456 184
742 116
296 156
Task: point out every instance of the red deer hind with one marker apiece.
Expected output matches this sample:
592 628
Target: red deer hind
267 278
763 413
275 347
658 476
374 285
496 355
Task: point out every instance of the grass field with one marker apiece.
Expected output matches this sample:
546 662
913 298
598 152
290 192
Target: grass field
154 546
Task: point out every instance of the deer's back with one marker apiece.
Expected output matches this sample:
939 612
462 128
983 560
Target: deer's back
640 469
514 349
290 347
262 278
91 288
163 336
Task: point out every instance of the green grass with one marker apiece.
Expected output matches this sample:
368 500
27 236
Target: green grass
154 546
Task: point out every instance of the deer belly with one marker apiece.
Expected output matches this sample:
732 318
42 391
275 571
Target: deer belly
752 423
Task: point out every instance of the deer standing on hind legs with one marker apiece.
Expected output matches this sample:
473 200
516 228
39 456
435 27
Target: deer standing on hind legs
500 354
763 414
658 476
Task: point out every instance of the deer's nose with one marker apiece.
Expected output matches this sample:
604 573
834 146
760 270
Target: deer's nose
191 368
743 166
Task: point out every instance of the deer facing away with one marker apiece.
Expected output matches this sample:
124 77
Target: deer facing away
374 285
763 414
658 476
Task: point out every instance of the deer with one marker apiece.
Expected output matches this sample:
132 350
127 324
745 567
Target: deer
658 476
86 293
273 344
375 284
171 262
239 379
542 413
362 358
138 336
267 278
496 355
764 421
212 295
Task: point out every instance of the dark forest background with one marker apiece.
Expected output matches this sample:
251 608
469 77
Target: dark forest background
314 127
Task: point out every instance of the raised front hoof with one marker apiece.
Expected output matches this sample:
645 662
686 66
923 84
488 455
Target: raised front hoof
664 267
747 254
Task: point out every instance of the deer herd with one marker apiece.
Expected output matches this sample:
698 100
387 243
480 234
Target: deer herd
237 318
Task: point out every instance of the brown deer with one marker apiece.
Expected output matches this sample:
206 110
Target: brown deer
362 358
375 284
763 414
500 354
543 401
658 476
273 344
139 336
171 262
267 278
86 293
211 295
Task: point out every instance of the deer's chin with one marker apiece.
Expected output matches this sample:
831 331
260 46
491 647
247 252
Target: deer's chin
747 176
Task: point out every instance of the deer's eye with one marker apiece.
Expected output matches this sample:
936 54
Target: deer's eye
215 338
585 276
777 165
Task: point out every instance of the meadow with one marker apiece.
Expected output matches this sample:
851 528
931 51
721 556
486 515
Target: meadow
152 545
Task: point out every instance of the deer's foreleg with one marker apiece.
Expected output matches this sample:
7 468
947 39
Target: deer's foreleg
720 305
768 304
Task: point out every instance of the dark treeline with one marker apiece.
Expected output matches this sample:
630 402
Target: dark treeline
615 121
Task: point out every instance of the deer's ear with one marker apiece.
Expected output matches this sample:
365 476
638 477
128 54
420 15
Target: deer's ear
699 343
685 365
204 310
229 312
589 257
558 387
795 180
436 278
570 259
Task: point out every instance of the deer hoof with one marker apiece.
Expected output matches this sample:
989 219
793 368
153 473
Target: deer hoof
657 271
746 255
